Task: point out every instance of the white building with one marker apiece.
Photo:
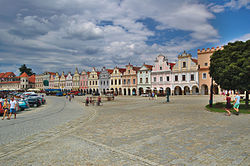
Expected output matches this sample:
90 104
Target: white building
144 79
185 75
69 82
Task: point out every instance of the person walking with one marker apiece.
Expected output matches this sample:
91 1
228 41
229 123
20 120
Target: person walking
237 103
228 105
87 101
69 97
5 108
153 95
12 107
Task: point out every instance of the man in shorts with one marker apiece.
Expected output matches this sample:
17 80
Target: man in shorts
12 107
237 103
5 107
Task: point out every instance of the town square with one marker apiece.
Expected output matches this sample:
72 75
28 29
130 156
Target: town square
124 83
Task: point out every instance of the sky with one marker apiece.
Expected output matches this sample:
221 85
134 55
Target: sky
60 35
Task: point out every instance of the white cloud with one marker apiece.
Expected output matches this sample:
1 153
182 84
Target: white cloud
233 4
242 38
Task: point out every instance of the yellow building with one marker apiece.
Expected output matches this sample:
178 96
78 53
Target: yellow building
62 81
116 80
57 81
76 81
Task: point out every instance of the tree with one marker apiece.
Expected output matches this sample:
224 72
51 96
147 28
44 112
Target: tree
23 69
230 67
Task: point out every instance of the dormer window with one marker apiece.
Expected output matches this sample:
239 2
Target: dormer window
160 68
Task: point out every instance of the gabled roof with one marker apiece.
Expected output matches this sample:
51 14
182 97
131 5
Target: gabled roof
122 70
171 65
136 68
149 66
52 73
1 75
194 60
24 75
110 71
7 74
32 79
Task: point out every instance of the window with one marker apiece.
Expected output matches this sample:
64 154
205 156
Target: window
161 79
140 72
154 79
167 78
133 81
119 81
128 71
124 81
93 82
192 77
204 75
107 82
96 83
146 72
128 81
184 64
89 83
147 80
93 76
101 82
115 82
111 82
160 68
176 78
140 80
183 78
206 64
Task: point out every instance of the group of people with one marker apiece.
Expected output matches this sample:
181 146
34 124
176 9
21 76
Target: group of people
90 100
9 108
236 104
70 96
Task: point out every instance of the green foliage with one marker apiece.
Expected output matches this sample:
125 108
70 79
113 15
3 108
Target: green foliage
46 83
23 69
230 68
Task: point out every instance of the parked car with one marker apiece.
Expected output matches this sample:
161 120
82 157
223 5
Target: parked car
23 104
42 99
59 94
34 102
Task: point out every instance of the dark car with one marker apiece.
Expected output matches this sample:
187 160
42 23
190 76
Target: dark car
34 102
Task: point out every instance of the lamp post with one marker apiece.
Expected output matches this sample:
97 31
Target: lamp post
211 94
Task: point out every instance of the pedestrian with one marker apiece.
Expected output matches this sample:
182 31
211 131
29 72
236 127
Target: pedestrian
69 97
237 103
5 108
12 108
99 100
153 95
228 105
66 96
87 101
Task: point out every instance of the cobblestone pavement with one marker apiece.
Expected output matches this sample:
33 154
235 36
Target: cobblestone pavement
138 131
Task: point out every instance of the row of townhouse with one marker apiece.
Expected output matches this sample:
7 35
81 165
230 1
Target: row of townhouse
9 81
186 76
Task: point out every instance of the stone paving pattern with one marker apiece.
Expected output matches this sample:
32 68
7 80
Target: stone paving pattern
139 131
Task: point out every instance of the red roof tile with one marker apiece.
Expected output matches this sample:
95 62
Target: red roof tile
1 75
195 60
9 82
32 79
149 66
136 68
24 75
171 65
7 74
122 70
110 71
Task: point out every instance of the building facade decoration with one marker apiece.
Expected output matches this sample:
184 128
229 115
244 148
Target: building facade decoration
116 80
76 80
62 81
161 75
84 82
129 80
185 75
104 80
93 81
144 79
69 82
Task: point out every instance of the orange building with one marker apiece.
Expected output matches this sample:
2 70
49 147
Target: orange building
203 65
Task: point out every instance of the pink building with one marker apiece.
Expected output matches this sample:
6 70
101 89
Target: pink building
84 82
161 75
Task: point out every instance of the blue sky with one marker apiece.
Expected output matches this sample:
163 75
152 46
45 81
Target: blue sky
59 35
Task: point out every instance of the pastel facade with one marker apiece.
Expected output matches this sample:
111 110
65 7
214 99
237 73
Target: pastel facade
57 81
144 79
185 75
161 75
129 80
62 81
116 80
76 81
104 80
204 77
69 82
93 81
51 81
84 82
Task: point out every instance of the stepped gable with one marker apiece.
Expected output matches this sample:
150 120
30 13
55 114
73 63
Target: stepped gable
24 75
208 50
